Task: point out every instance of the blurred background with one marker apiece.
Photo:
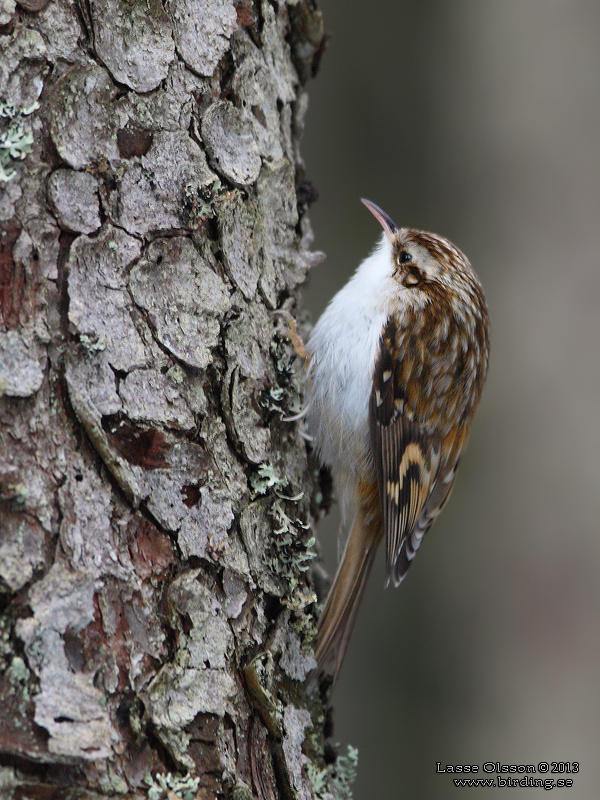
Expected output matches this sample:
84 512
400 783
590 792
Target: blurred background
481 122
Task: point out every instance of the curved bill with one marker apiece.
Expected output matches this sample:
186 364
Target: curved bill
387 223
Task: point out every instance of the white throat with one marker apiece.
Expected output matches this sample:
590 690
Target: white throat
344 346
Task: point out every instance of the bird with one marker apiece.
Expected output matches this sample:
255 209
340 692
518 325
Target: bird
395 370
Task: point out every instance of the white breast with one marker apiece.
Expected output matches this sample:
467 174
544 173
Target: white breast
344 346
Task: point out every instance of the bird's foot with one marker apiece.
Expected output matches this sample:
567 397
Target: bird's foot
293 335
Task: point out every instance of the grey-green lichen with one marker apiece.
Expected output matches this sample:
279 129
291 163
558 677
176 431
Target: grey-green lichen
198 202
16 140
334 782
168 786
282 561
263 479
290 553
292 548
284 397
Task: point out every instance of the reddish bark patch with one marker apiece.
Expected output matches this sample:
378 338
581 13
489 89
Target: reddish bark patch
202 749
11 276
19 735
261 760
33 5
191 495
109 632
133 141
151 551
245 13
145 447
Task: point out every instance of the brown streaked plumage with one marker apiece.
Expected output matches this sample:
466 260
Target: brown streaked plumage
398 362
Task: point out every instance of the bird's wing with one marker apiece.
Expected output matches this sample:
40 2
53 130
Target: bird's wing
413 484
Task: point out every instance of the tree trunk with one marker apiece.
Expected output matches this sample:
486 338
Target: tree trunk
156 509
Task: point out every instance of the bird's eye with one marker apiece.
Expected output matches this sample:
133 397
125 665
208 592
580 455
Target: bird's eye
404 257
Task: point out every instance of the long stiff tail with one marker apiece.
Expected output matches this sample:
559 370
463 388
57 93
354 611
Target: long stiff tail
341 607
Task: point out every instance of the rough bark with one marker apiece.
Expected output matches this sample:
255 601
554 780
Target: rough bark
156 509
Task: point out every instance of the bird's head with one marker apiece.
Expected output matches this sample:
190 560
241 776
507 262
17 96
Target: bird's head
428 263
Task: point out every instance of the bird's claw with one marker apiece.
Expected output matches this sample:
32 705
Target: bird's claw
293 335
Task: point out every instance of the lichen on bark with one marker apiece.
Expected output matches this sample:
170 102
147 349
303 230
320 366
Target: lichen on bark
157 608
